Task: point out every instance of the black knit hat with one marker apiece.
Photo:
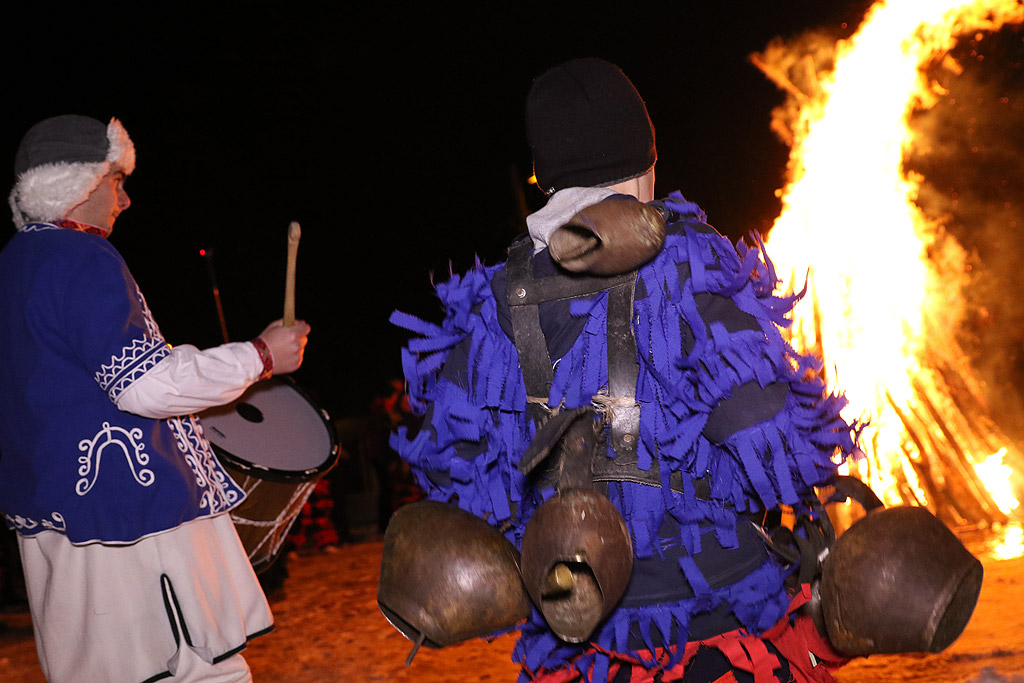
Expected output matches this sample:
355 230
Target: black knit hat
67 138
587 126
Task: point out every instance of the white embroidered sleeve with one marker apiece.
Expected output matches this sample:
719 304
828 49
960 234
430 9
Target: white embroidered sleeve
188 380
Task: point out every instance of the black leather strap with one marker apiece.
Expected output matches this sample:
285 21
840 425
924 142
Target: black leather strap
529 338
623 370
625 411
525 294
570 286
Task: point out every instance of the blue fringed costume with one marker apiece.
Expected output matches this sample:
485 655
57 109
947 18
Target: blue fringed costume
727 407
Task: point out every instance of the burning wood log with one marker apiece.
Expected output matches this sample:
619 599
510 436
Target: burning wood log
968 398
779 78
958 462
944 499
921 462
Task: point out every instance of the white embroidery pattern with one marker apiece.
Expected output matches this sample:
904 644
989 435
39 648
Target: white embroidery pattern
134 452
19 522
220 491
152 329
137 358
37 227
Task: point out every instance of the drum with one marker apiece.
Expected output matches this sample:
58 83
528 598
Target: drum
276 445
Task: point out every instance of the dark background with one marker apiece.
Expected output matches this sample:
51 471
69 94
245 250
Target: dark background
394 135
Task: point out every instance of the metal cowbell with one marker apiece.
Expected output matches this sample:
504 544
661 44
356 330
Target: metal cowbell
898 581
447 576
576 561
611 237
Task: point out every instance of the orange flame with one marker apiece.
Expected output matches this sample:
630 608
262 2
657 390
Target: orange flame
996 476
1011 544
885 280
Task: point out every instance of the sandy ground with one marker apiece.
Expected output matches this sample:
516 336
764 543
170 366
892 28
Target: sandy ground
329 629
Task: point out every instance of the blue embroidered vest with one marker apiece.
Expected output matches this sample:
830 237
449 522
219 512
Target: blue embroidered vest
75 333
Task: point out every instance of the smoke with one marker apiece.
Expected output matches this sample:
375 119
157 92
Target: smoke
970 150
989 675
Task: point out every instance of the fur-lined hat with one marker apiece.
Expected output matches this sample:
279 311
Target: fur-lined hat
61 160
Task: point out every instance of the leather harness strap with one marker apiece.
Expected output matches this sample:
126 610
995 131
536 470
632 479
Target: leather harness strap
525 294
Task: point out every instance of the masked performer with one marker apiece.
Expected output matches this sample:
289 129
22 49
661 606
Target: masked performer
134 571
705 417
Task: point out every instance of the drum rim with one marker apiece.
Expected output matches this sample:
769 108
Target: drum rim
273 473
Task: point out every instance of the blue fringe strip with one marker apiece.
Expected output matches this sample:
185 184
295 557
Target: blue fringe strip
777 461
759 600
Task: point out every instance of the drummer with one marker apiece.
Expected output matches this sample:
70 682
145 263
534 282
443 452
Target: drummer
133 568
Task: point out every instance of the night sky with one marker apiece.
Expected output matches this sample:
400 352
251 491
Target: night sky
393 135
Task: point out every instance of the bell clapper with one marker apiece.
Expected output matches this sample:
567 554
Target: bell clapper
559 580
415 648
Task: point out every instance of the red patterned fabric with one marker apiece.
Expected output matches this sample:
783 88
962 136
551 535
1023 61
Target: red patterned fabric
265 356
795 638
83 227
314 526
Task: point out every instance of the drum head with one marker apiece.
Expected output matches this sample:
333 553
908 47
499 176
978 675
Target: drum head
273 431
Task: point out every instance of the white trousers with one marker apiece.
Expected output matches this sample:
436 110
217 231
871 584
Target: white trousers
191 667
172 603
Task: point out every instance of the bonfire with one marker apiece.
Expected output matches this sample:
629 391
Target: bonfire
884 281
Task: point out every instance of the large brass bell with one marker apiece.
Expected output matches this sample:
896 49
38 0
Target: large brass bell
898 581
448 576
611 237
576 561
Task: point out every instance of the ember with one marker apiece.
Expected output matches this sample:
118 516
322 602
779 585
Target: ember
884 282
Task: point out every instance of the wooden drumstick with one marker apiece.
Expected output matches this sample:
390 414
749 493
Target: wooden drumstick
294 232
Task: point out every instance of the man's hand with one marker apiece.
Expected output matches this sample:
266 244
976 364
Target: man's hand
286 344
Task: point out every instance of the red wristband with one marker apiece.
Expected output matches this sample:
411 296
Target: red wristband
265 356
